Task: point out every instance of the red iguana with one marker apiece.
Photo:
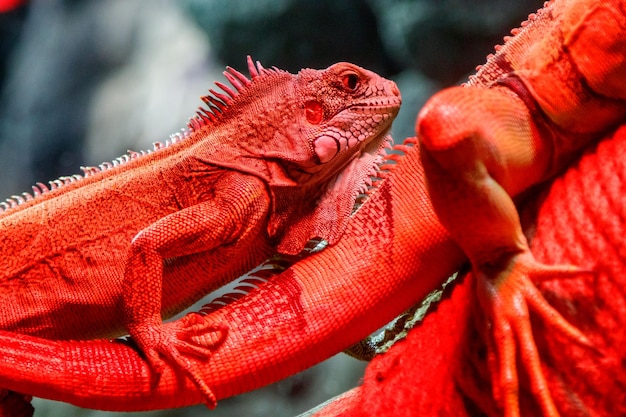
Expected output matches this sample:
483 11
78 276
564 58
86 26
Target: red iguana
556 87
553 89
441 369
269 164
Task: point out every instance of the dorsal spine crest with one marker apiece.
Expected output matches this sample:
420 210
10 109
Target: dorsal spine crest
216 103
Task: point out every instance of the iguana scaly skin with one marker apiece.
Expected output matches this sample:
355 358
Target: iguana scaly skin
554 88
271 163
441 369
293 321
551 90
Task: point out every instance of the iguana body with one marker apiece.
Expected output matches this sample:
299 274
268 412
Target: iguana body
554 88
395 250
550 91
286 325
270 164
441 368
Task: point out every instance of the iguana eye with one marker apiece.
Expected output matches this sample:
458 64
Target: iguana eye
350 81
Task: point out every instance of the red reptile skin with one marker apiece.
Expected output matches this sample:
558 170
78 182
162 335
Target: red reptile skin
328 301
441 368
131 242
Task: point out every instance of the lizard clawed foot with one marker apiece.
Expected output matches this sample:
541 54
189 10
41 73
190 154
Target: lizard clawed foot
176 341
506 295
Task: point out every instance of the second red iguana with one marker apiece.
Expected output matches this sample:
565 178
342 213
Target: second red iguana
269 164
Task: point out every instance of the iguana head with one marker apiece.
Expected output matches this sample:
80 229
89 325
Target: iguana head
340 111
314 137
300 127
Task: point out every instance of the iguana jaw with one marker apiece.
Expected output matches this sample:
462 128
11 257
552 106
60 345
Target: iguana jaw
332 144
334 194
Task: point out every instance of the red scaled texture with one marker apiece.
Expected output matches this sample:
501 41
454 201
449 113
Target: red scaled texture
416 377
441 368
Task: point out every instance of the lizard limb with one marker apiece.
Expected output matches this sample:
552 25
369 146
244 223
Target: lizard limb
196 229
480 147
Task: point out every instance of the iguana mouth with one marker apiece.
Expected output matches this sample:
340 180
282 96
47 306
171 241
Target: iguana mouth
377 105
390 108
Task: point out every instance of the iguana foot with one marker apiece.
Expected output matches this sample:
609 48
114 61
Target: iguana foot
506 295
176 341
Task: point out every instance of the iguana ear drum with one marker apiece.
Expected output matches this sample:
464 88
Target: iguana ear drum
326 147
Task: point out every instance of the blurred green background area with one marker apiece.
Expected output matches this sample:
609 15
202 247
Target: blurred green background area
83 81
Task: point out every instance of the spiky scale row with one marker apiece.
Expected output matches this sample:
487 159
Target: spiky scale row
37 190
506 39
217 104
250 281
383 169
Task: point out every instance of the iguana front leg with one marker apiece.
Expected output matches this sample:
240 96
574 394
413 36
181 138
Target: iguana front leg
479 147
236 209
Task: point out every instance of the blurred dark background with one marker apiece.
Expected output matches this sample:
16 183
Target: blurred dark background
83 81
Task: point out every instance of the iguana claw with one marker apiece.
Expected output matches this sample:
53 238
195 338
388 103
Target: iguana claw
176 340
506 298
